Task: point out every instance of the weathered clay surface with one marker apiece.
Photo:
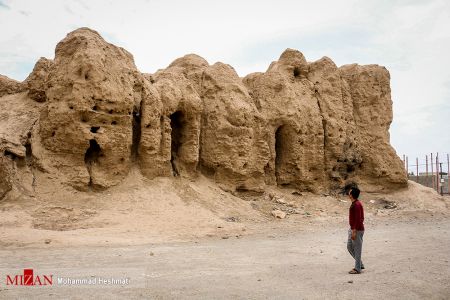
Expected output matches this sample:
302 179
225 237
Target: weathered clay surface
286 100
9 86
308 125
36 82
372 109
5 176
87 126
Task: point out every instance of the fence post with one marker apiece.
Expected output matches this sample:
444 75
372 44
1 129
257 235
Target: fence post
448 174
426 171
437 172
432 173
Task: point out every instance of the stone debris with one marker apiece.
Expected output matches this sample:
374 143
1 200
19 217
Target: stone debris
279 214
280 201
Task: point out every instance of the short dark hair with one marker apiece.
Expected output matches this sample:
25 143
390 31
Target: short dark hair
354 191
350 185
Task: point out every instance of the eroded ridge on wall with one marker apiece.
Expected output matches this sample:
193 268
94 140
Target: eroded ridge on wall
306 125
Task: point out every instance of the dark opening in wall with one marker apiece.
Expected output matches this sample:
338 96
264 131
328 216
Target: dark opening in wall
350 168
94 129
241 189
10 154
93 152
91 157
280 151
28 151
136 134
177 124
296 72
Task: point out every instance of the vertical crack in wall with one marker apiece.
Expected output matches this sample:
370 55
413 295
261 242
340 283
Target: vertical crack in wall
177 127
279 152
200 165
138 92
29 156
136 134
163 134
324 128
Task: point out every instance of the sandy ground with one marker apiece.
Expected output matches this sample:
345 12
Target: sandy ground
406 259
176 238
141 211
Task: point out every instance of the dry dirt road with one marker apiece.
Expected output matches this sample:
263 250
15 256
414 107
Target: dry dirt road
404 260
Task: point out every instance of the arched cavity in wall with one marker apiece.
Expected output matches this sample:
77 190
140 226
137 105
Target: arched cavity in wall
91 157
136 121
178 127
283 155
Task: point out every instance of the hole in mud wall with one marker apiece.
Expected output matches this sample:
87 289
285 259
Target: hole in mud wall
176 123
280 152
136 134
91 157
350 169
296 72
241 188
28 151
93 152
10 154
94 129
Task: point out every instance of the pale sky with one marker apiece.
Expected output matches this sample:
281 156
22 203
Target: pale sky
411 38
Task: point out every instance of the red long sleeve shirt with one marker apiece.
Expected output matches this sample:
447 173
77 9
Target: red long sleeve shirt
356 215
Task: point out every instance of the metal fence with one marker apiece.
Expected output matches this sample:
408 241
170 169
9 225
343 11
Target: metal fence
431 171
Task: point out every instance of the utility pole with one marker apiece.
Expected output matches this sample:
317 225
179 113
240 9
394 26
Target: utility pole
407 168
417 170
448 174
442 181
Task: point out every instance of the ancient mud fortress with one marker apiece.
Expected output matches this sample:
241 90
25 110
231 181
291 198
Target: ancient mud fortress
89 115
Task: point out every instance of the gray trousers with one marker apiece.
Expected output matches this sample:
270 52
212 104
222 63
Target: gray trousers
355 248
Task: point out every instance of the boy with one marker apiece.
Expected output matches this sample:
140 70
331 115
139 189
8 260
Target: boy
356 231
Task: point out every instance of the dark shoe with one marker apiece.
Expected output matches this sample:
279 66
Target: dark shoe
362 268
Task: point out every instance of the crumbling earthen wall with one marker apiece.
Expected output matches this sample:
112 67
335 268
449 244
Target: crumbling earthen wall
307 125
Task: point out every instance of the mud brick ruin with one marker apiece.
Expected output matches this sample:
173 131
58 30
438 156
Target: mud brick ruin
89 115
